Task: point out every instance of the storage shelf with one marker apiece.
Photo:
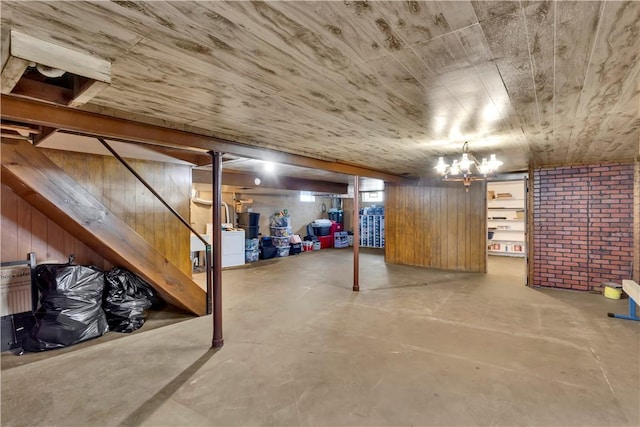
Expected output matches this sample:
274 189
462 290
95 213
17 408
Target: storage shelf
511 209
371 231
501 253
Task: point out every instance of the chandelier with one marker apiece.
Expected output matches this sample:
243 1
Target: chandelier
460 170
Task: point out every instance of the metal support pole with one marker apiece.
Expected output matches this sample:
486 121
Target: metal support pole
209 276
216 168
356 233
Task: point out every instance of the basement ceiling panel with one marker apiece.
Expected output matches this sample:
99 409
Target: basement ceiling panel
386 85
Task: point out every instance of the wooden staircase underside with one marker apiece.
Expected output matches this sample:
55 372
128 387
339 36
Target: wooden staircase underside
48 188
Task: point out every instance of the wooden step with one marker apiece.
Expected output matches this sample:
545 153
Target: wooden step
48 188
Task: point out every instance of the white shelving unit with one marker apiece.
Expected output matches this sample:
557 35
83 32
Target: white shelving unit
506 218
372 231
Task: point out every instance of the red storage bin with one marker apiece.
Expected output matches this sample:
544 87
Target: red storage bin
325 241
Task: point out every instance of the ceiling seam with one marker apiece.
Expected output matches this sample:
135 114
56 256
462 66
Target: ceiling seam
586 74
532 65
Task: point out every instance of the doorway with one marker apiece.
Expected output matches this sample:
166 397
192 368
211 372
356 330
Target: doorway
507 227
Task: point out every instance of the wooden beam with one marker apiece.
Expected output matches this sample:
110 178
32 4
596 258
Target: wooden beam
14 136
241 179
19 128
45 132
88 91
52 55
40 113
188 156
13 69
44 91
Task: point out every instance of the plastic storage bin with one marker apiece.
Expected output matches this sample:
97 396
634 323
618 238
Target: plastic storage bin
283 251
251 244
295 249
280 242
337 216
280 231
251 255
250 232
321 230
326 241
340 239
268 252
251 219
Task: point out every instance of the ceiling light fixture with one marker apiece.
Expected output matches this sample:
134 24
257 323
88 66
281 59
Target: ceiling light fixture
269 167
50 71
460 170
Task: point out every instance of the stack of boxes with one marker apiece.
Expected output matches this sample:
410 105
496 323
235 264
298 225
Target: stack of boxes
280 233
340 237
249 222
251 250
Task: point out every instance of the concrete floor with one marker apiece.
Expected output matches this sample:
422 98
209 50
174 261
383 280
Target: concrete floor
414 347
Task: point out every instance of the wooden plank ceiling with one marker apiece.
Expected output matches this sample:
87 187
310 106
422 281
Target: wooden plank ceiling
388 85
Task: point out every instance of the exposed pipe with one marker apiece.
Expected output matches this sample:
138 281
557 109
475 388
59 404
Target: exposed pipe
356 233
226 212
216 171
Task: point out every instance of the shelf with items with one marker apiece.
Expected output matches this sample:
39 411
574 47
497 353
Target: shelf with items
371 229
513 248
506 218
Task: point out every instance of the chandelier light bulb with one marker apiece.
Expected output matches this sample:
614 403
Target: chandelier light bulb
484 167
455 168
441 167
494 163
465 163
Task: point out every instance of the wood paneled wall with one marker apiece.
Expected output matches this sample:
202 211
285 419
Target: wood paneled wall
25 229
439 226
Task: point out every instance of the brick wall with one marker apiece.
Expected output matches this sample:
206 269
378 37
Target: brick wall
582 225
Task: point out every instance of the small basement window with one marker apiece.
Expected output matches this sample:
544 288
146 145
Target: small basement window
373 196
307 196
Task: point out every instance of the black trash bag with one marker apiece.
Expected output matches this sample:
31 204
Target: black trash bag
70 306
125 299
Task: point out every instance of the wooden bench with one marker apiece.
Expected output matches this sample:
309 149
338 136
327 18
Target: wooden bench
632 289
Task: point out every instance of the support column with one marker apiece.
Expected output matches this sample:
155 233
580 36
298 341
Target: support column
216 168
356 233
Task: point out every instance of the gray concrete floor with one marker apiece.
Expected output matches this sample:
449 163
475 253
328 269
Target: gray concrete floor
414 347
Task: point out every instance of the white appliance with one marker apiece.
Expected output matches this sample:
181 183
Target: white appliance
232 247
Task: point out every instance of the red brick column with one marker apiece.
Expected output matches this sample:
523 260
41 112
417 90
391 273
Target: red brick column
583 225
